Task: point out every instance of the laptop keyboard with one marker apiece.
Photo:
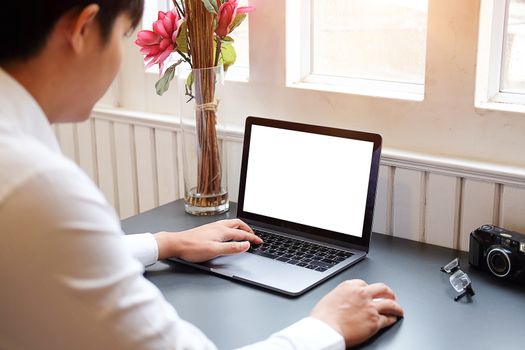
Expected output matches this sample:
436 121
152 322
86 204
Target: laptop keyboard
296 252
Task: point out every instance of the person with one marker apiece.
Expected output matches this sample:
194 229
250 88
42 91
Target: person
70 278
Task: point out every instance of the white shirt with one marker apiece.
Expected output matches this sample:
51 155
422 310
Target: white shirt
69 278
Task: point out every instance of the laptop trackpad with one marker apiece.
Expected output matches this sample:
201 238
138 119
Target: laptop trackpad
263 271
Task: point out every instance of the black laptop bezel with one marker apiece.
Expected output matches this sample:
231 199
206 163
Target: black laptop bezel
350 241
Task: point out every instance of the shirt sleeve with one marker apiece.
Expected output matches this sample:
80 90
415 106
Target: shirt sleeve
143 247
306 334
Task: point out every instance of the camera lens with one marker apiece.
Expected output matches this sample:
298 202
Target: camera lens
498 262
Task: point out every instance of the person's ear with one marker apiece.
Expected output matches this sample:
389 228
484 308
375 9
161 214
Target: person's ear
83 25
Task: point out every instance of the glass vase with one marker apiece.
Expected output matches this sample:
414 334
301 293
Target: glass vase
204 165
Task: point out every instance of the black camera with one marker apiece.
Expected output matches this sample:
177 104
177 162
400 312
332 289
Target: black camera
499 251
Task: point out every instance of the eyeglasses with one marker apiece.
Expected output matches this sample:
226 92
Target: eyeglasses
458 279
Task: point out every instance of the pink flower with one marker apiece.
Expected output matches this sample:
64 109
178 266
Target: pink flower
226 15
158 44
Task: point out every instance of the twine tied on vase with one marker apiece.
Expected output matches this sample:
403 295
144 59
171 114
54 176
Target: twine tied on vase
208 107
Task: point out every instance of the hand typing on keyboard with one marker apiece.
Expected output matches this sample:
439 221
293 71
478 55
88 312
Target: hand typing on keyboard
206 242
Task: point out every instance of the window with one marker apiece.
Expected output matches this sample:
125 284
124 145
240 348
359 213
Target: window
512 69
366 47
240 69
500 81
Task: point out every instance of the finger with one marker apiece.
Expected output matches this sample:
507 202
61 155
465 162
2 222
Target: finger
240 235
356 282
228 248
386 321
389 307
237 223
380 290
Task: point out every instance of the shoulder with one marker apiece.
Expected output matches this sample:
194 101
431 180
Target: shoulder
43 192
24 160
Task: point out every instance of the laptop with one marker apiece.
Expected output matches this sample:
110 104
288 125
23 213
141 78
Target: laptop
308 191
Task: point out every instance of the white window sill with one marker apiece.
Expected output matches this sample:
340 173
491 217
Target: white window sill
504 102
364 87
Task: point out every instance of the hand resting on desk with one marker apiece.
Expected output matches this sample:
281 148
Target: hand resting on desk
358 310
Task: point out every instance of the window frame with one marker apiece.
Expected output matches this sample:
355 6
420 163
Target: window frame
299 57
492 38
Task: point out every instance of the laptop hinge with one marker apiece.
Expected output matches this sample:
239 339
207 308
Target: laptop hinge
305 235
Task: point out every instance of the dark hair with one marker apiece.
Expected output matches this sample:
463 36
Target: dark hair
25 25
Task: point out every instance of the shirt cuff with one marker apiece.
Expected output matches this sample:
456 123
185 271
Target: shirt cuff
311 333
143 247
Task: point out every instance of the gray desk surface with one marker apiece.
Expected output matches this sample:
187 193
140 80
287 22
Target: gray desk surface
233 314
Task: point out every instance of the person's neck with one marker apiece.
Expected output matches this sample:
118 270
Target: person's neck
42 81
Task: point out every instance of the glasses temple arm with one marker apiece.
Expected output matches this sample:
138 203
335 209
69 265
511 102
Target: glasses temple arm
468 291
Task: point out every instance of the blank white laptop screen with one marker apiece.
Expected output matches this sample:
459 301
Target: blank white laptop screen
310 179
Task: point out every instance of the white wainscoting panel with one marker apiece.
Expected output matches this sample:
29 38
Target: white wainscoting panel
383 206
512 215
105 160
233 153
125 168
167 165
145 151
136 160
408 204
477 208
441 210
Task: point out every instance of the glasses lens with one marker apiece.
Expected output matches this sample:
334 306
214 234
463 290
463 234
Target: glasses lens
451 265
459 280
